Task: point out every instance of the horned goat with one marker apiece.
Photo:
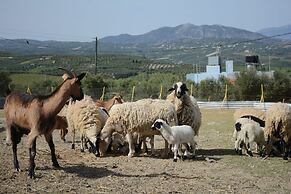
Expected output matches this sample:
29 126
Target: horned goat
36 115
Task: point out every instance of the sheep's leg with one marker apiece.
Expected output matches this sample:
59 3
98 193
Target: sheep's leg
130 144
49 140
32 153
248 148
82 143
73 141
175 149
193 145
166 150
152 143
285 150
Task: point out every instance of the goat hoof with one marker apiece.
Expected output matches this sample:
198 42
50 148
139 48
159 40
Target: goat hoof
175 160
56 164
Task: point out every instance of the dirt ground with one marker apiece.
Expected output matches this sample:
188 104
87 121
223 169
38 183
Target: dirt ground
215 170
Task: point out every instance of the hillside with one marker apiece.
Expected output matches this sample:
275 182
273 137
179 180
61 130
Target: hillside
277 30
182 32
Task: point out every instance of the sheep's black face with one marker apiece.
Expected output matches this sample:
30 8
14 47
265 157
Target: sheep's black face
180 89
237 126
157 125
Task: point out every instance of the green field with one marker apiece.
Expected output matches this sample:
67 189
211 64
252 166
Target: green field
29 79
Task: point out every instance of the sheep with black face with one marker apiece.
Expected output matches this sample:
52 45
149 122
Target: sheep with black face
188 111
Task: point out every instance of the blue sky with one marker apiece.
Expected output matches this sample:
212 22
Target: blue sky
81 20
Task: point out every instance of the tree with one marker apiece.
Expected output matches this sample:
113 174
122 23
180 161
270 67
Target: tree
248 85
93 85
279 88
4 83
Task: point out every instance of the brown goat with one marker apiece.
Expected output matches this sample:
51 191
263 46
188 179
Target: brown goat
61 124
107 104
36 115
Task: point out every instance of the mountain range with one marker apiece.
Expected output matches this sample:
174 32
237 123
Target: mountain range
277 30
166 43
182 32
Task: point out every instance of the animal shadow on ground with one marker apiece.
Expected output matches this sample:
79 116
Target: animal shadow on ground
87 171
95 172
216 152
2 129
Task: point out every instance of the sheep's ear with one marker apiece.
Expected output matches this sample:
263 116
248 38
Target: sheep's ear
171 89
81 76
184 87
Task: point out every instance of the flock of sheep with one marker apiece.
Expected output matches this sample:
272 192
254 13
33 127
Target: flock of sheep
119 126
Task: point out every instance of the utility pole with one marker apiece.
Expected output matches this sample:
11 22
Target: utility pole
96 55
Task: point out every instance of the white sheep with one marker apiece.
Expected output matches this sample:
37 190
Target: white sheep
246 133
188 111
256 115
131 117
86 117
176 135
278 128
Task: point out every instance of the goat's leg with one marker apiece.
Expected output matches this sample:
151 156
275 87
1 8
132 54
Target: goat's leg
32 153
14 137
49 140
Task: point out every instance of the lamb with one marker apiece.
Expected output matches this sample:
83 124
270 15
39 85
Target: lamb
138 116
188 111
85 116
246 133
36 115
278 128
176 135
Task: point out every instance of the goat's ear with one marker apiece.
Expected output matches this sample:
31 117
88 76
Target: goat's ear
81 76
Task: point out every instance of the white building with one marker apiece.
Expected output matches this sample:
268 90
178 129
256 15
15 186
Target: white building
213 71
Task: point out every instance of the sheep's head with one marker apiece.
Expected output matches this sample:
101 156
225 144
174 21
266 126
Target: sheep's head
158 124
180 89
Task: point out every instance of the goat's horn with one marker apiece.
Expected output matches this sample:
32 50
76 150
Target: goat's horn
70 74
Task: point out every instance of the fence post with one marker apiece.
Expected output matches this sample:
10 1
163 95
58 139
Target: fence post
28 90
161 92
132 95
103 93
191 90
225 97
